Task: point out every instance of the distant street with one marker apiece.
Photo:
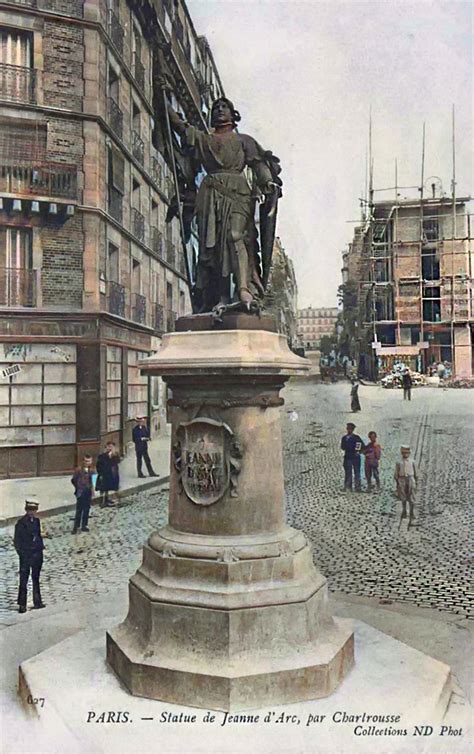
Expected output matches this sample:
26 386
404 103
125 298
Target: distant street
359 541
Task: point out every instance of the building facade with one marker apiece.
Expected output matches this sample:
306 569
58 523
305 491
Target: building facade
281 298
411 266
91 275
314 323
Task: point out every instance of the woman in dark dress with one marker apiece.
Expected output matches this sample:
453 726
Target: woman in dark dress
108 479
355 405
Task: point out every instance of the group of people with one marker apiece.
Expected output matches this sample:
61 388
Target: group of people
105 479
405 474
86 480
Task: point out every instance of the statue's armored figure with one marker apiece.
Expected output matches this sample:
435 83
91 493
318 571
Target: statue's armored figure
239 173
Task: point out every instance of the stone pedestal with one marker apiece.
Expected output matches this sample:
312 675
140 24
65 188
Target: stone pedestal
227 610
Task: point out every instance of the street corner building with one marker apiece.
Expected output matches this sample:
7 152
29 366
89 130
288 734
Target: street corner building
91 274
407 284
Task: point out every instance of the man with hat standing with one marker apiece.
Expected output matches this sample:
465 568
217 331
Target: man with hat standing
352 446
28 543
141 438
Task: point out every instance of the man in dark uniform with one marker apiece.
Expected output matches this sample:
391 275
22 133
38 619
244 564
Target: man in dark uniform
28 543
352 446
141 438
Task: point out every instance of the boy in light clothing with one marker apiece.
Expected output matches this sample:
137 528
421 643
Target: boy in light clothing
406 480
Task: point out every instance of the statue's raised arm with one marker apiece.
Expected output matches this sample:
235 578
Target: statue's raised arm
239 173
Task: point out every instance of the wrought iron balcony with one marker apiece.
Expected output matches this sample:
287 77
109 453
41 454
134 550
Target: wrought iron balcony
138 224
159 318
116 206
115 117
51 179
73 8
139 73
116 32
157 241
116 298
156 171
18 286
139 308
170 253
18 83
138 147
170 320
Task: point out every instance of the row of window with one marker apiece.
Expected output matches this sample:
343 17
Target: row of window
19 279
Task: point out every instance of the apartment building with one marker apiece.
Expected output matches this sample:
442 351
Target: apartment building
91 275
281 300
313 323
411 263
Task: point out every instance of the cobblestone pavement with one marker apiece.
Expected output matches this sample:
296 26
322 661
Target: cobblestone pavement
359 541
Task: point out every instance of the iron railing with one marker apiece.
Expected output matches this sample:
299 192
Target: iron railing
18 286
171 317
116 206
156 171
52 179
157 241
18 83
73 8
170 253
139 73
116 298
116 31
138 224
159 318
139 308
115 117
138 147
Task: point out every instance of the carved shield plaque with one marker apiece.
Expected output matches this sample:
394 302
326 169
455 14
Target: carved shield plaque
206 459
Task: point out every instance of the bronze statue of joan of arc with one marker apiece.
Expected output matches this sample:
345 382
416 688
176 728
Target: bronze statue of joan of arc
239 173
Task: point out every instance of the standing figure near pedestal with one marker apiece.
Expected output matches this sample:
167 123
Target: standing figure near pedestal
28 543
141 438
239 173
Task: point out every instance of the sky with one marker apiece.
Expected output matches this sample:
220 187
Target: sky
305 75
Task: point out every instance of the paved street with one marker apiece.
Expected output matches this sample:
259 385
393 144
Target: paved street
359 541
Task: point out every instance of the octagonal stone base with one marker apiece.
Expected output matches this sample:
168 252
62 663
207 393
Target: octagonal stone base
230 635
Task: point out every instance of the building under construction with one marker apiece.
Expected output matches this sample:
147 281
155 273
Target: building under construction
409 267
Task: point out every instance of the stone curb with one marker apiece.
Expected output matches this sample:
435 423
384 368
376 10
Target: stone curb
120 495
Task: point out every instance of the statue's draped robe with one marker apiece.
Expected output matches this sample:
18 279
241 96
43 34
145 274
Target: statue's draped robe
223 193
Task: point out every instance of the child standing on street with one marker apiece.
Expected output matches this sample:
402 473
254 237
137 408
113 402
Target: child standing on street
372 453
83 490
406 480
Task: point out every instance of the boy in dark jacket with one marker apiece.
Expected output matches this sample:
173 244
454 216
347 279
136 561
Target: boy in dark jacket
83 490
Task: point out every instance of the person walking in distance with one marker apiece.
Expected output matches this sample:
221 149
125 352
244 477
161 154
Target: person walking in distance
28 542
141 438
407 383
406 480
355 403
372 453
83 489
352 446
107 468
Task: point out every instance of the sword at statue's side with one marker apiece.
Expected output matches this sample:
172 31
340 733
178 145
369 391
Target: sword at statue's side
176 186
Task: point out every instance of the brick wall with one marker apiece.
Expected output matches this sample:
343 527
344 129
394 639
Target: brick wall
62 270
63 50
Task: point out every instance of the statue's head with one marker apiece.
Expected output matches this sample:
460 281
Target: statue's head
223 113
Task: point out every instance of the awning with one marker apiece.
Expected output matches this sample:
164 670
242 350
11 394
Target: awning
382 350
